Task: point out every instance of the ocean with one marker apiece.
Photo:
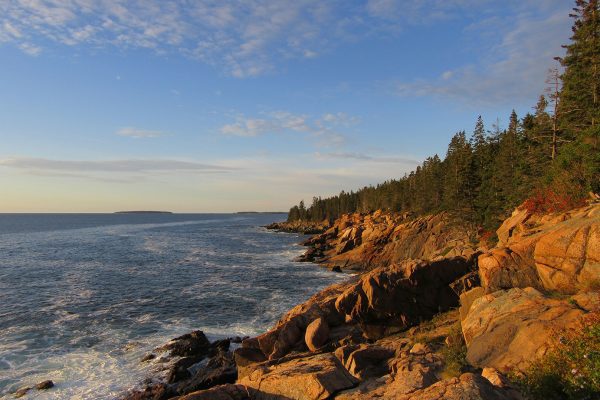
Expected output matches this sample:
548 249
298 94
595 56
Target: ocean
83 297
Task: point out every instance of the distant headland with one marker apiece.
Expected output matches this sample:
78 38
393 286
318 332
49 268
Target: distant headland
261 212
143 212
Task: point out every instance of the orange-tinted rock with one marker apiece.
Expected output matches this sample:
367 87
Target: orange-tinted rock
589 301
495 377
467 387
365 361
223 392
309 378
317 333
556 252
467 299
245 358
402 294
289 332
509 329
368 241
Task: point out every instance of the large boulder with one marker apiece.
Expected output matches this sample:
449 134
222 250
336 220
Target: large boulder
308 378
189 345
405 373
507 330
365 361
556 252
317 333
219 369
402 295
289 332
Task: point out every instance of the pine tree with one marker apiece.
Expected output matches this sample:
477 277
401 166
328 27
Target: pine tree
579 164
458 189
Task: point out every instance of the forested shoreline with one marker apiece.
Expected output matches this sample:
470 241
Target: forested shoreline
549 157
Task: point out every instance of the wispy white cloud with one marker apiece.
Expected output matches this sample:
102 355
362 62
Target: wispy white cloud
348 156
324 129
138 133
243 39
112 166
510 69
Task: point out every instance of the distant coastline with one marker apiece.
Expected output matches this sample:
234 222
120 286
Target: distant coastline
143 212
261 212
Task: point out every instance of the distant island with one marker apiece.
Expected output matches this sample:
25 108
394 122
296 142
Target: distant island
143 212
261 212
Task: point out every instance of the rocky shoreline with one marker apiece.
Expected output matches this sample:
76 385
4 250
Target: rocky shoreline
433 314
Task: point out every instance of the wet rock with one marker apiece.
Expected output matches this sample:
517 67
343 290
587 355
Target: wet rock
179 370
44 385
336 268
148 357
310 255
305 227
190 344
22 392
219 369
317 333
159 391
237 339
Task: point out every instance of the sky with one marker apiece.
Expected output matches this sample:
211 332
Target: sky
230 105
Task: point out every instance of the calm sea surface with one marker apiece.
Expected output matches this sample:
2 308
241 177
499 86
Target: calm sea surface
84 296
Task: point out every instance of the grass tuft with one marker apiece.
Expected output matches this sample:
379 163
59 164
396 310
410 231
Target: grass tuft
570 369
454 353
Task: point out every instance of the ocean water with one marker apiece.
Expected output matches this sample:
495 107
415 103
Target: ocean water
83 297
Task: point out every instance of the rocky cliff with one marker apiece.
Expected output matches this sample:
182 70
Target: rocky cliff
434 315
363 242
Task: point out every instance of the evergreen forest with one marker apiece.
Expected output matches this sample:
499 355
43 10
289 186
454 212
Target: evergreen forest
549 157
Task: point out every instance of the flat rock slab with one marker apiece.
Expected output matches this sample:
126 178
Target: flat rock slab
509 329
466 387
309 378
223 392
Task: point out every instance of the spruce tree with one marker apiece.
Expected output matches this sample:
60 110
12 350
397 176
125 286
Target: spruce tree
578 168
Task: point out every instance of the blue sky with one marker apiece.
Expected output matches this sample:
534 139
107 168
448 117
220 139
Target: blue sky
210 106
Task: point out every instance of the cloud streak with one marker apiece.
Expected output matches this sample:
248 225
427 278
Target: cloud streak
366 157
111 166
138 133
508 70
325 130
242 39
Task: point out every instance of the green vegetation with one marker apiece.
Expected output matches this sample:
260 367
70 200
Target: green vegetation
454 353
570 370
552 153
